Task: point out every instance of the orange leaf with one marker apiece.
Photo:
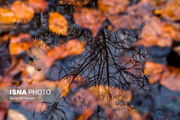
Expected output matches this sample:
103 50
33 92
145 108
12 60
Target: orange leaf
113 6
89 18
159 33
69 82
57 23
109 94
77 3
20 43
38 5
7 16
22 12
167 75
72 47
170 11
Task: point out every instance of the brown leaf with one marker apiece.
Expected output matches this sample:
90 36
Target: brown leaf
20 43
23 12
159 33
136 16
72 47
113 6
57 23
167 75
89 18
108 94
77 3
170 11
38 5
69 82
34 106
121 112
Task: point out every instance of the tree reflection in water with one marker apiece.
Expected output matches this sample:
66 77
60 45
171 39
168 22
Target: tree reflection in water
108 60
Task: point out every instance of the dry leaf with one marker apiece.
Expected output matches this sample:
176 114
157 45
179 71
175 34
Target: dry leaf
72 47
89 18
57 23
170 11
7 16
108 94
20 43
167 75
77 3
159 33
22 12
113 6
69 82
38 5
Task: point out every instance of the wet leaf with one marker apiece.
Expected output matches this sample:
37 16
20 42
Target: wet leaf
15 115
69 82
7 16
113 6
34 106
159 33
89 18
167 75
38 5
72 47
136 16
77 3
108 94
57 23
121 112
170 11
20 43
23 12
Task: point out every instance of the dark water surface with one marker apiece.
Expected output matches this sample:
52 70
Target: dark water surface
100 64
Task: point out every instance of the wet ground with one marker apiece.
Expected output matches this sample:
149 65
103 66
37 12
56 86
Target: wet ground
101 64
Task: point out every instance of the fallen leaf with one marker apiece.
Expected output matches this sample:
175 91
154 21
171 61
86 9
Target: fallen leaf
23 12
77 3
57 23
159 33
69 82
38 5
113 6
72 47
20 43
15 115
7 16
89 18
170 11
168 76
108 94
